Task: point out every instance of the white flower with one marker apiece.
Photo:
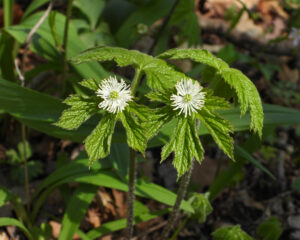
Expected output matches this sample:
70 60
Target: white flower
295 35
189 97
116 95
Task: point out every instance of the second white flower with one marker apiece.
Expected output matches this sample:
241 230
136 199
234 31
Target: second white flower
189 97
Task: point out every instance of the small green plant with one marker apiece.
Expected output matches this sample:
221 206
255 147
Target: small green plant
183 100
16 160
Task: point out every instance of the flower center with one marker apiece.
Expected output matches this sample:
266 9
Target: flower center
114 95
187 98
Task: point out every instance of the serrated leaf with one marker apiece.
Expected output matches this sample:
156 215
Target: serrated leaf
90 84
216 103
197 55
246 91
161 96
231 233
248 97
135 133
98 143
157 118
186 145
201 205
82 108
219 129
160 75
270 229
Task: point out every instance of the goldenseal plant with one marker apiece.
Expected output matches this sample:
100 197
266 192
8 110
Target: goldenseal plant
181 102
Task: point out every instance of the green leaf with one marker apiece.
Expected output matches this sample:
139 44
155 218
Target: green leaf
156 120
201 206
147 14
119 156
248 97
33 6
91 9
135 133
231 233
186 145
5 195
98 143
219 129
82 108
27 150
242 153
90 84
197 55
160 75
76 210
270 229
14 222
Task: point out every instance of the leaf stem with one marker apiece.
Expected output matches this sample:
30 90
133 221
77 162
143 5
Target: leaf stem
65 45
185 180
132 170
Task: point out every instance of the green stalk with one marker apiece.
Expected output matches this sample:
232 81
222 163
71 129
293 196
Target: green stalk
8 12
132 171
65 46
185 180
7 43
28 199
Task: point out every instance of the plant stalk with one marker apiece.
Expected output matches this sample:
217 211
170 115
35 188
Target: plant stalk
65 46
132 170
28 199
185 180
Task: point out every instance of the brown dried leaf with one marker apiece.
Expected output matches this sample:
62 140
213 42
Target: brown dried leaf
93 217
56 226
288 74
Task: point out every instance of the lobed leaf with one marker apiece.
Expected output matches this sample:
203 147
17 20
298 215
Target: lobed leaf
230 233
82 108
201 206
246 91
98 143
248 97
160 75
186 145
219 129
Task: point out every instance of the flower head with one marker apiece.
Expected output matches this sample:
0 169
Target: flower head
189 97
116 95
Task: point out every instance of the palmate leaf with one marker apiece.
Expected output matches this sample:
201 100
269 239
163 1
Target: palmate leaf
98 143
201 206
186 145
160 75
230 233
82 108
246 91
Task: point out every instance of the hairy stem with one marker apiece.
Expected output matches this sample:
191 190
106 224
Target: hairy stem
132 171
65 45
185 180
176 208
